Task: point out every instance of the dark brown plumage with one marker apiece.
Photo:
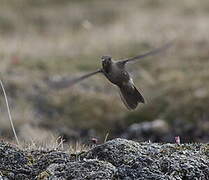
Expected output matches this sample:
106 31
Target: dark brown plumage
116 73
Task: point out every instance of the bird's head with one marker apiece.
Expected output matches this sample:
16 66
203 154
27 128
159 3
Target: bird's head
106 62
106 59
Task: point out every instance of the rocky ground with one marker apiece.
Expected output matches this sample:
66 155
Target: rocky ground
115 159
46 41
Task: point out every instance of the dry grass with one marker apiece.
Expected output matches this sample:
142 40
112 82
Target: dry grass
48 39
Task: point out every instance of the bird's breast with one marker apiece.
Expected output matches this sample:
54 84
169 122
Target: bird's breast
117 75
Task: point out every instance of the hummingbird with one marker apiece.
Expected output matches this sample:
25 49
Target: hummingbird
115 71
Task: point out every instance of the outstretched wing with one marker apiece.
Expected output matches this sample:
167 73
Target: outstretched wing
70 82
153 52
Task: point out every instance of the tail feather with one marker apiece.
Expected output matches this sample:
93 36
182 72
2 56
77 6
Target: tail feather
131 97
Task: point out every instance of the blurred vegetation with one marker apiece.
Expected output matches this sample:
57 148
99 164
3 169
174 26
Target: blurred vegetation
46 39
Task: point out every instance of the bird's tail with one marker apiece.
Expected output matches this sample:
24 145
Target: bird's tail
131 96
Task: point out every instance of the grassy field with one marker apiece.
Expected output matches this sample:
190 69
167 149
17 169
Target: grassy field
44 40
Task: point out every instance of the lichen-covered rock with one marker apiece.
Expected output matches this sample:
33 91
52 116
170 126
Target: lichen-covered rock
14 163
154 161
115 159
117 152
43 158
87 169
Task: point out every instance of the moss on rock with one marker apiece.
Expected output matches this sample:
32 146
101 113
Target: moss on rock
115 159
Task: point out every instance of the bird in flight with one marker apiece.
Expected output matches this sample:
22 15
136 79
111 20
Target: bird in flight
116 73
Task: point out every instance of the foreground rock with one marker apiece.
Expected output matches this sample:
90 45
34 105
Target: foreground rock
115 159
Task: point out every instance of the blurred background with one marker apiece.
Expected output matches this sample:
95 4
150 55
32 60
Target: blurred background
44 41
